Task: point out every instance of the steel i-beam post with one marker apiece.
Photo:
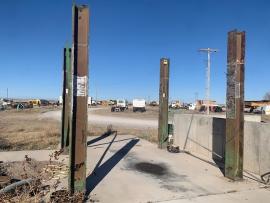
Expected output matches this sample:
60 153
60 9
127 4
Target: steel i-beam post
66 96
235 106
80 29
163 103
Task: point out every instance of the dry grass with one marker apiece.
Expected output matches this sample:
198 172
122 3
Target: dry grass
43 181
25 130
22 130
147 134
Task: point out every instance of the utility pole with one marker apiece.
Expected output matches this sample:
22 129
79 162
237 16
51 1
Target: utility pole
79 62
7 93
66 95
207 89
163 103
235 105
96 94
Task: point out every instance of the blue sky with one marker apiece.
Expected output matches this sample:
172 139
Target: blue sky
127 40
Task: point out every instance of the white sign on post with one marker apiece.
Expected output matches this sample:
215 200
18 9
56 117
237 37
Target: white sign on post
81 86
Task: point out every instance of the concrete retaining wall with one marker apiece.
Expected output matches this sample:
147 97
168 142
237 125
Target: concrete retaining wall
205 136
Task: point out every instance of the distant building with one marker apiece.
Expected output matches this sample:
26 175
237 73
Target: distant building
249 104
200 103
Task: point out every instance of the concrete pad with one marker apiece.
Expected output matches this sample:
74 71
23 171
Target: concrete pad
122 169
123 176
257 195
39 155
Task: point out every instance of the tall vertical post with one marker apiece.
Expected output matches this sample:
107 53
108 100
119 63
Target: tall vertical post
235 105
208 82
66 110
80 29
163 103
208 71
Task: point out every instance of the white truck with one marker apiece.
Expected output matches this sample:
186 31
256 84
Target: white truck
60 100
121 105
139 105
91 102
262 110
192 106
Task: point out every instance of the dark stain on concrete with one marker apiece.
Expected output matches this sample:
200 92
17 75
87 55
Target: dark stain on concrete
167 179
175 188
151 168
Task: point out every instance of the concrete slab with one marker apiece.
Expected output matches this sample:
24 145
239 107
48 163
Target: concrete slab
124 168
40 155
126 174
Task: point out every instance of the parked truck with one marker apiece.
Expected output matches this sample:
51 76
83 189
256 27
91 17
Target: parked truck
139 105
121 105
91 102
262 110
175 105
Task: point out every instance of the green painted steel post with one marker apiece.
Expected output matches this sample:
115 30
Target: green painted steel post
79 61
66 96
163 103
63 102
235 106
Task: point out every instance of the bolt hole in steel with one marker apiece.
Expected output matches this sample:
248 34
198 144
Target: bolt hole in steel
150 168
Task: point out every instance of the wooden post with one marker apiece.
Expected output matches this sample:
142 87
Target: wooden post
80 24
163 103
66 96
235 106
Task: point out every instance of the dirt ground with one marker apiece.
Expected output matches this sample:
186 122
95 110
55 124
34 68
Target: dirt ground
29 130
151 113
41 178
40 128
26 169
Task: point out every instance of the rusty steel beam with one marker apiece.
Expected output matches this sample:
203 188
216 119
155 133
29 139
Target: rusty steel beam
80 29
66 96
163 103
235 105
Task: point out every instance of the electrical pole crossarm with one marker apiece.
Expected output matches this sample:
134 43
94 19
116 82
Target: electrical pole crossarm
208 50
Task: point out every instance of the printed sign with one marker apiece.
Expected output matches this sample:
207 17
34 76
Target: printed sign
80 86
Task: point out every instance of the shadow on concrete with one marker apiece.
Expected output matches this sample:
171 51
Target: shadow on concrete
105 143
189 127
106 134
100 172
254 177
104 153
201 159
218 142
